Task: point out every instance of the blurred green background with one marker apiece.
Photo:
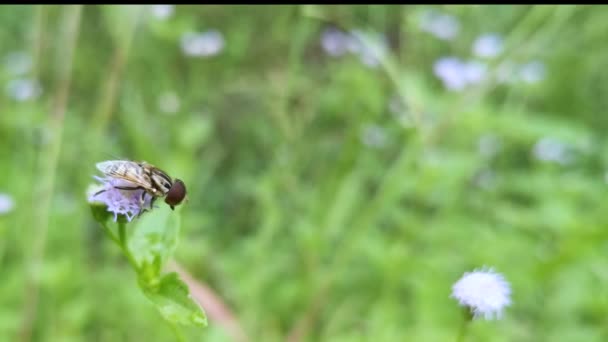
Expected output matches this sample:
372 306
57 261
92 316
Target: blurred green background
345 166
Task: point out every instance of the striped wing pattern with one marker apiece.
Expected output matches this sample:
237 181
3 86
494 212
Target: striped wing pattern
126 170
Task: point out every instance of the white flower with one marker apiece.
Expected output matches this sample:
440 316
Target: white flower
6 203
549 149
487 45
23 89
457 75
442 26
120 201
162 12
202 44
18 63
449 70
485 292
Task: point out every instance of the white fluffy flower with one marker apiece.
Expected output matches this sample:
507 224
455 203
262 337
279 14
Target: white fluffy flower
6 203
204 44
485 292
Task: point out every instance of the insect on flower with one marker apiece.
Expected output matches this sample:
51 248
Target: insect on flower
143 176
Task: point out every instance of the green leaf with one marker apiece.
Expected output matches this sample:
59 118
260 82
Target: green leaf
155 236
174 302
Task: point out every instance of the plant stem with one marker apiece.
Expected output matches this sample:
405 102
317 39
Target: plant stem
122 242
178 333
462 331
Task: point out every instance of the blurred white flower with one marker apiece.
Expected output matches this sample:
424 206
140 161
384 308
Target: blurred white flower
162 12
532 72
202 44
18 63
23 89
488 45
335 42
371 48
120 202
374 136
474 72
457 75
552 150
485 292
442 26
169 103
6 203
449 70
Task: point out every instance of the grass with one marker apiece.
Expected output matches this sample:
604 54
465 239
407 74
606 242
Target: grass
329 200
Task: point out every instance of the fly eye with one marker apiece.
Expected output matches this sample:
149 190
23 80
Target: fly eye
176 194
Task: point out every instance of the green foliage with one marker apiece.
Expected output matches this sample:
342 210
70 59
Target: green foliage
148 248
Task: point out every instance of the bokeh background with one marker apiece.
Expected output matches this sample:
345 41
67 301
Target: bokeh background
345 166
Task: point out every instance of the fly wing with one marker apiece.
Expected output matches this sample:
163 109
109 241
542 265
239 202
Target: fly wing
125 170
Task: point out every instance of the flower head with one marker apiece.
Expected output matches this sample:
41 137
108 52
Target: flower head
488 45
129 203
6 203
485 292
204 44
442 26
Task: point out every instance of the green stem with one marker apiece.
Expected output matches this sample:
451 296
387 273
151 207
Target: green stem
122 242
109 233
178 333
122 233
462 331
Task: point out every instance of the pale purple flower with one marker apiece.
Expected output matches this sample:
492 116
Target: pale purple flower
474 72
532 72
6 203
485 292
119 201
457 75
204 44
442 26
162 12
488 45
335 42
450 71
23 89
552 150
